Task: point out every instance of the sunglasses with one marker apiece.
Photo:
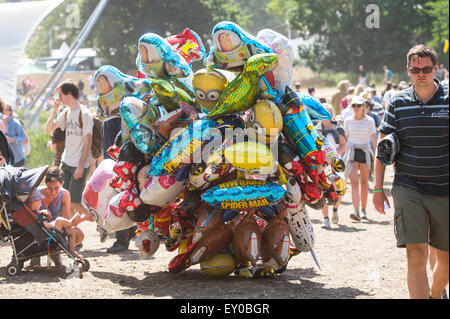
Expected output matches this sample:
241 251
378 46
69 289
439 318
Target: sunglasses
356 106
425 70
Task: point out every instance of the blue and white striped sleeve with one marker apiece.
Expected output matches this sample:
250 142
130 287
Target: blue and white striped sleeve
387 126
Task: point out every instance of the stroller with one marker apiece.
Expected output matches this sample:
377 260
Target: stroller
24 228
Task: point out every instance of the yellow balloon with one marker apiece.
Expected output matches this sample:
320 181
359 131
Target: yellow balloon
446 44
208 85
255 158
218 265
265 122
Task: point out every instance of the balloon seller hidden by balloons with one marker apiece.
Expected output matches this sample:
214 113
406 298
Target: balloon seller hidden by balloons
219 165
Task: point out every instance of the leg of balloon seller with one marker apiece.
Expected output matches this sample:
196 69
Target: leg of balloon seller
122 242
354 180
326 219
335 217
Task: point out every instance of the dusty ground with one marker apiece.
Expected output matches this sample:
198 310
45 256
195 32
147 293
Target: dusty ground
358 260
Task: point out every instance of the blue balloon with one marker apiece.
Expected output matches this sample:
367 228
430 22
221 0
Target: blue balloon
185 148
243 194
314 108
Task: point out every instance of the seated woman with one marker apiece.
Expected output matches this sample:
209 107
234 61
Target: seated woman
59 223
56 200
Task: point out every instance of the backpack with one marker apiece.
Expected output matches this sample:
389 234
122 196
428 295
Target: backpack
96 146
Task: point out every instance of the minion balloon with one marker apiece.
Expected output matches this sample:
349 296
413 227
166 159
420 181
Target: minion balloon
265 122
208 85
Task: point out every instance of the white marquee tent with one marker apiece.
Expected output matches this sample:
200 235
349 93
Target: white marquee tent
18 21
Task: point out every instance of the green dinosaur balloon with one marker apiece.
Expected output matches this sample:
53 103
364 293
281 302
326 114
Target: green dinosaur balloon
169 95
242 92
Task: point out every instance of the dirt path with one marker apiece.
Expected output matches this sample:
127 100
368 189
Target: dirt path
358 260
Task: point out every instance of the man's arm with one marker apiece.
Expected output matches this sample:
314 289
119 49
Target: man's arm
51 125
65 205
379 197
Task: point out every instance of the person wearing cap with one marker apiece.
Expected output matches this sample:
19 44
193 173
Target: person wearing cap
418 116
358 155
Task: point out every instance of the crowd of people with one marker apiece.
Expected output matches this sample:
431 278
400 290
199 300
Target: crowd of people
360 117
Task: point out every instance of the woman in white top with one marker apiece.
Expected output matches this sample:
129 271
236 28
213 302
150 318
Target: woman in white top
358 155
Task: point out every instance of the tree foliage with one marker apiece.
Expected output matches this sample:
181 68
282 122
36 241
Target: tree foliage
122 22
343 40
438 11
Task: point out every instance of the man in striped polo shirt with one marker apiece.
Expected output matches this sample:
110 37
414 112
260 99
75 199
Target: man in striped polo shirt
418 116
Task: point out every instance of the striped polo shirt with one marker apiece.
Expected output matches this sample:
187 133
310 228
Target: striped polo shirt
422 129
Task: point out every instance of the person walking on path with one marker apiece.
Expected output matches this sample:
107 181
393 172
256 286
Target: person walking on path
15 134
335 135
337 96
358 155
418 116
77 156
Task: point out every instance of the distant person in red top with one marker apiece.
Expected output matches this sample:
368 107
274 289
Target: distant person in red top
346 99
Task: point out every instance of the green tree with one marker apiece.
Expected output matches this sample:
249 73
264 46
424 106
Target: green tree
52 31
438 11
342 39
122 22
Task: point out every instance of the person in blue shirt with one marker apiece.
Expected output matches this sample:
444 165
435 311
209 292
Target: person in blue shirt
15 134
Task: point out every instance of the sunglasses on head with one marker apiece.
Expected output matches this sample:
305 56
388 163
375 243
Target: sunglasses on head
425 70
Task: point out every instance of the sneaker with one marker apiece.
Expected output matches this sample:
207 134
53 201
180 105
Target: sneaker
364 214
117 247
326 223
444 294
355 216
335 217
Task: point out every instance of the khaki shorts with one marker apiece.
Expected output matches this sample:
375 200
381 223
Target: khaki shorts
420 218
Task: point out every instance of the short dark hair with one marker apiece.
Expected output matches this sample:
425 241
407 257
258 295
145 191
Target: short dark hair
70 88
54 174
422 51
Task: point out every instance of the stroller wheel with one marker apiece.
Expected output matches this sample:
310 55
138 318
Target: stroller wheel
85 265
14 269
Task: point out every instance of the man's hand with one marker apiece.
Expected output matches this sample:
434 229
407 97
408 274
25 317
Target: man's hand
378 200
78 173
57 104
